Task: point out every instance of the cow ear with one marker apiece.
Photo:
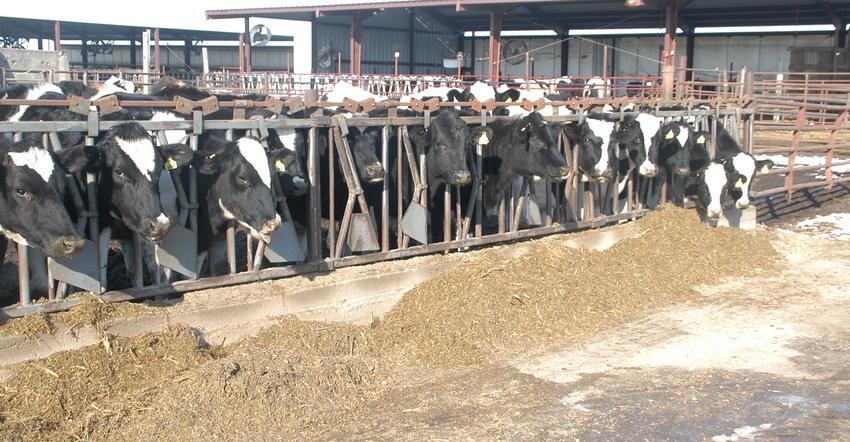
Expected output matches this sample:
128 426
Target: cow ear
482 134
572 130
420 136
176 155
207 163
80 158
764 166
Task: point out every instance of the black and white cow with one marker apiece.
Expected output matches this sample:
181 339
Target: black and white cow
128 167
32 112
234 184
730 173
32 211
596 141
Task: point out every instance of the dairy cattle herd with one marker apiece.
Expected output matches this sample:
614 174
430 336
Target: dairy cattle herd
241 176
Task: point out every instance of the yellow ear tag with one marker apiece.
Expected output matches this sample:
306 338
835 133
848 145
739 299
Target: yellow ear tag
765 169
170 164
483 138
701 139
279 167
739 184
670 135
509 99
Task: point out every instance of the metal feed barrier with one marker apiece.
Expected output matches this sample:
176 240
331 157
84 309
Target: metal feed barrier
353 239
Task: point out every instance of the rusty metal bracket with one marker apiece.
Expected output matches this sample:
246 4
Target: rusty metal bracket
209 105
183 105
240 108
417 105
275 105
527 105
432 104
295 105
79 105
368 105
107 105
350 105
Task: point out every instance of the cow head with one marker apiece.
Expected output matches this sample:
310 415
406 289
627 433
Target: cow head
596 142
32 187
238 185
445 143
745 166
364 144
712 185
538 144
129 166
670 148
632 143
288 147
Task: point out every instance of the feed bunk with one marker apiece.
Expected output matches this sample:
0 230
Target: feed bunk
390 224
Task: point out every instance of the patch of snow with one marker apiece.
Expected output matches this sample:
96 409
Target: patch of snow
839 224
800 160
743 433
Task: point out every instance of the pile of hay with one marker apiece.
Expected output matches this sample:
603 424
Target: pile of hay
299 378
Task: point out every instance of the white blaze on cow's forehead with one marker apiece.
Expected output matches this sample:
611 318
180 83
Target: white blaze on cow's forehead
255 155
683 135
715 180
34 94
141 152
746 166
287 137
36 159
649 125
482 91
603 130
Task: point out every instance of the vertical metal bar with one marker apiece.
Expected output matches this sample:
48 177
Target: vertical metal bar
24 274
314 218
231 247
385 190
138 265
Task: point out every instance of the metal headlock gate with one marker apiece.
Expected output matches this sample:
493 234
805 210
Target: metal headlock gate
574 206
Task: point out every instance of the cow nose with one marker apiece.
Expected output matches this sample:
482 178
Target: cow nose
375 172
157 228
271 225
67 246
742 205
564 171
715 213
683 171
462 177
299 183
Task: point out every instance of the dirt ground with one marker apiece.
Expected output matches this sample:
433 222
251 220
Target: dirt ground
684 333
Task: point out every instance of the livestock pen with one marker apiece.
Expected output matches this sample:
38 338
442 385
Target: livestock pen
353 238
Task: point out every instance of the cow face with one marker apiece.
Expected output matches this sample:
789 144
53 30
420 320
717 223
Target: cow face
129 181
538 148
596 143
445 143
289 147
364 144
237 186
631 140
713 183
31 210
745 166
670 147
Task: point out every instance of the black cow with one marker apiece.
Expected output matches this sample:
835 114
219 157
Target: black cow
520 148
32 212
234 183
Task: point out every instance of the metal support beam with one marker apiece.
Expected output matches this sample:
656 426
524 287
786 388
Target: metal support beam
356 41
495 44
57 39
246 42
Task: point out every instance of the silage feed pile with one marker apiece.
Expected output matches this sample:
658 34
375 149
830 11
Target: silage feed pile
299 378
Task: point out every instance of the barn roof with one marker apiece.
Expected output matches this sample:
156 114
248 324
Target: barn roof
564 15
15 27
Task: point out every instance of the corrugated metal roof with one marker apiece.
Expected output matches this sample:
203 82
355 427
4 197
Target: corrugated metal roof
564 15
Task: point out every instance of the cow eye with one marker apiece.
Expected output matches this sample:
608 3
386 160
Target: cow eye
22 193
241 179
119 173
